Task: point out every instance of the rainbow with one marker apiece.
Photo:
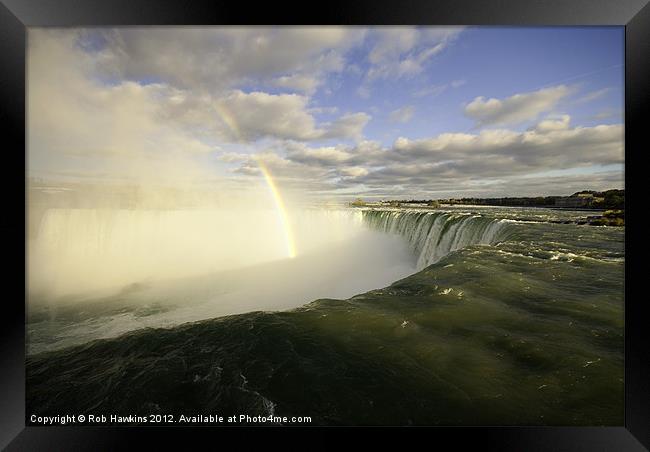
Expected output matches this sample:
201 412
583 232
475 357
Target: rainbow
229 120
281 209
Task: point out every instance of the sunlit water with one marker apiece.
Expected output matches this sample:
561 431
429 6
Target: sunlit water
509 318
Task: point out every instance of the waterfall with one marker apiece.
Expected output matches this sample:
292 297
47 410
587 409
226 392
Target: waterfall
433 235
75 249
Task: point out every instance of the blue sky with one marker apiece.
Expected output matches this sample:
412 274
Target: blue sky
493 62
339 112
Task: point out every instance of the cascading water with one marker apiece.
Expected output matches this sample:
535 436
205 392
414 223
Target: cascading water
74 250
99 273
433 235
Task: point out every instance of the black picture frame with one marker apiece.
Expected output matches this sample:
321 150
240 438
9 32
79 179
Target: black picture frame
17 15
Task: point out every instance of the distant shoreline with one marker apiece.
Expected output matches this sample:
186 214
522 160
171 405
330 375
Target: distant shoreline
408 206
586 209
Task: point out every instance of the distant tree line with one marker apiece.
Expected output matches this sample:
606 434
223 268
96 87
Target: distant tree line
611 199
417 201
538 201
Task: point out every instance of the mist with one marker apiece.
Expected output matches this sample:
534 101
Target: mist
121 269
142 213
81 250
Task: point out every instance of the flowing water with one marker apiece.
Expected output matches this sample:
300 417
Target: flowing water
498 316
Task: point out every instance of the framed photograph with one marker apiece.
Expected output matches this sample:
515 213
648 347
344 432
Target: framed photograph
393 215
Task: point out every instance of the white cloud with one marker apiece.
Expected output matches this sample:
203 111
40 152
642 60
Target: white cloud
321 156
354 172
436 90
76 124
306 84
452 143
403 114
593 95
237 116
553 124
607 113
324 110
391 43
233 157
250 116
211 58
517 108
147 109
398 52
348 126
500 159
363 91
433 91
403 51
